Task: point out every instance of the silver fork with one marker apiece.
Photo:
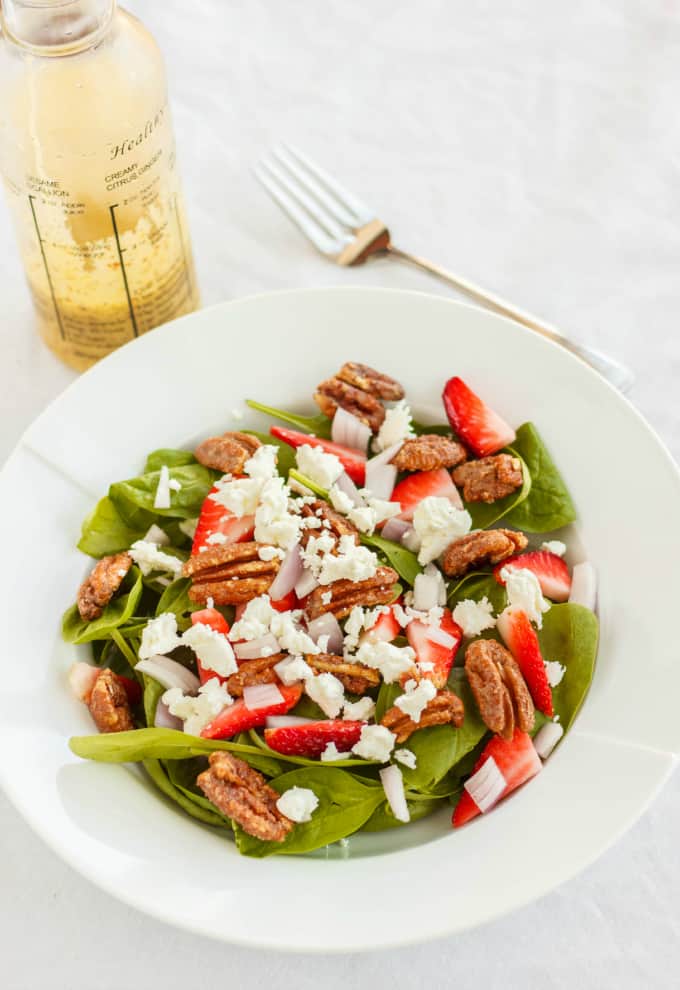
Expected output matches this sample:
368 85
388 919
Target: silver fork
343 228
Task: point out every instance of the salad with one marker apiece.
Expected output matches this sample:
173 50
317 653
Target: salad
345 624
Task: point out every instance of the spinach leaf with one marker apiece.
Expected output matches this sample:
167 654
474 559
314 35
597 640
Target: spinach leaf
159 777
485 514
404 562
319 425
383 818
476 586
548 505
308 483
345 803
285 458
153 692
104 531
169 457
386 697
182 775
303 761
118 611
175 599
134 498
570 635
441 429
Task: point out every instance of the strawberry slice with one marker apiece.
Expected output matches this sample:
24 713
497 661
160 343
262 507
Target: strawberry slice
215 518
286 604
132 688
482 429
551 571
519 637
423 484
238 718
384 630
516 759
312 738
216 621
353 461
428 650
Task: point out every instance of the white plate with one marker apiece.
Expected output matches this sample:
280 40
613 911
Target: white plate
182 382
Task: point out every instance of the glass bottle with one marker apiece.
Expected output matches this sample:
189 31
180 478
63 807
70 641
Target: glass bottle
87 154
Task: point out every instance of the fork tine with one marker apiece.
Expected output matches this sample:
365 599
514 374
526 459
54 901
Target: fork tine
307 180
308 226
362 213
314 209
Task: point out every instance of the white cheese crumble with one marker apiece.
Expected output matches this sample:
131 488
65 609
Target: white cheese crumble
474 617
438 523
524 593
149 558
328 692
318 466
274 523
293 669
332 753
159 636
155 534
415 698
351 562
376 743
395 427
270 553
239 495
359 711
375 510
261 466
174 485
327 597
254 623
292 639
555 672
407 757
298 804
216 539
197 711
162 496
392 661
555 546
340 501
212 648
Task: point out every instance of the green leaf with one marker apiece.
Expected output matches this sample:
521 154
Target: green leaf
169 457
404 562
134 498
441 429
548 505
153 692
346 802
312 485
386 696
104 531
182 775
303 761
320 425
476 586
118 611
159 777
485 514
570 635
175 599
285 458
383 817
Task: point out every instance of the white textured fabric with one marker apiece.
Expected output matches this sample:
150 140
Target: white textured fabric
532 146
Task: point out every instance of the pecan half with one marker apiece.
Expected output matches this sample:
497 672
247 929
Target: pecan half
109 705
334 392
486 546
490 478
337 526
100 586
499 688
355 677
444 709
227 453
370 380
378 590
229 574
428 453
260 671
243 794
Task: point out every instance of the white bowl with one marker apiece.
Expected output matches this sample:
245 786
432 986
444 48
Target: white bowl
182 382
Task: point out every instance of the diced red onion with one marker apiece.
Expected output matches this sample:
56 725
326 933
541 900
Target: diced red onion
486 786
306 585
349 431
327 625
387 454
347 486
436 635
584 585
411 540
169 673
547 738
380 478
261 696
283 721
393 785
425 592
394 529
253 649
288 575
163 719
81 678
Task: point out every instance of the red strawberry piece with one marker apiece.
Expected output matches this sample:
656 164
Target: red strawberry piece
312 738
519 637
216 621
384 630
516 759
133 689
482 429
428 651
287 603
239 718
215 518
551 571
422 484
353 461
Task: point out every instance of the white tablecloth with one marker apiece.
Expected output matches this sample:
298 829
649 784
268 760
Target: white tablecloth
530 145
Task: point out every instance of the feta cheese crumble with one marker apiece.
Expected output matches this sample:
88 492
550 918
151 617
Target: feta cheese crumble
332 753
293 669
375 510
351 562
155 534
524 593
415 698
239 495
318 466
149 558
376 743
555 672
359 711
298 804
437 523
274 523
340 501
254 623
198 711
212 648
328 692
407 757
216 539
474 617
392 661
396 427
159 636
555 546
270 553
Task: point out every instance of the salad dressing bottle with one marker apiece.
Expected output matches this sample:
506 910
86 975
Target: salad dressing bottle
87 154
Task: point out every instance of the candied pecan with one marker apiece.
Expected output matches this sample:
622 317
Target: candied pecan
428 453
334 392
378 590
227 453
260 671
109 705
490 478
337 526
355 677
243 794
229 574
104 580
370 380
446 707
486 546
499 688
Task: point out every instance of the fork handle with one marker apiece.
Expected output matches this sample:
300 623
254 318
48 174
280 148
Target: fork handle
616 373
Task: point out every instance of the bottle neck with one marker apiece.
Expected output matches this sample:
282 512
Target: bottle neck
55 27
